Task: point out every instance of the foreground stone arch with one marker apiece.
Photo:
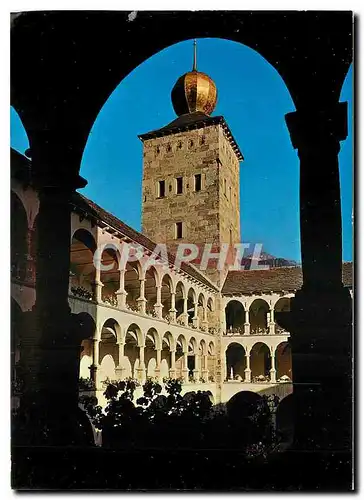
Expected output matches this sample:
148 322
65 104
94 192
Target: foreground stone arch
243 404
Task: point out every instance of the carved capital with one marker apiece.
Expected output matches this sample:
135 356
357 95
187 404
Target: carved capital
314 127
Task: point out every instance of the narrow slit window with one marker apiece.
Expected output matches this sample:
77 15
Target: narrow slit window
161 189
179 183
198 182
179 232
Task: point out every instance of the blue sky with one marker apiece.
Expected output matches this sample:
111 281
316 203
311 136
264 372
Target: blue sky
253 99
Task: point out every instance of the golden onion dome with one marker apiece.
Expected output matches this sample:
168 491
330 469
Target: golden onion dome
194 91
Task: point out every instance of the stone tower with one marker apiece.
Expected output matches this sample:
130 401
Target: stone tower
191 174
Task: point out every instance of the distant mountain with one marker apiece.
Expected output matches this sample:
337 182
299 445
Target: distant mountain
266 259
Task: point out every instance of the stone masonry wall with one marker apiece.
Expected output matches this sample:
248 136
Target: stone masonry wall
208 215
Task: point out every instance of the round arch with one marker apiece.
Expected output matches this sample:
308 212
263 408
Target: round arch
108 349
151 281
180 288
110 332
164 370
191 294
234 317
152 343
134 333
235 362
180 297
168 341
151 367
283 304
182 342
201 307
166 294
210 304
201 300
258 316
132 275
192 346
211 349
87 331
132 340
110 274
152 339
85 235
191 300
203 347
283 361
260 361
282 309
111 328
107 368
85 325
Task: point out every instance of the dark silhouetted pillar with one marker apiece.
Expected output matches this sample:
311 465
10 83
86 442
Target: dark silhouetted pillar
51 345
321 328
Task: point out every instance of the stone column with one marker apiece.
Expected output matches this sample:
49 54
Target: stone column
121 293
158 364
205 372
205 323
141 368
120 370
195 319
185 313
158 306
51 334
142 300
97 284
272 325
172 370
247 371
196 371
247 322
95 361
272 370
320 321
173 310
185 367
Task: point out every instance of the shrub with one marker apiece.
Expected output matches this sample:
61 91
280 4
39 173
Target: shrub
86 384
171 420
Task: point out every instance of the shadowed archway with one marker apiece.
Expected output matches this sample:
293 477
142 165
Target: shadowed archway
51 90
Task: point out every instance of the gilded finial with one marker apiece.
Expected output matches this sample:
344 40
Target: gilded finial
194 68
194 91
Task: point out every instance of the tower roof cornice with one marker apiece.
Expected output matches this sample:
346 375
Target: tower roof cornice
191 121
